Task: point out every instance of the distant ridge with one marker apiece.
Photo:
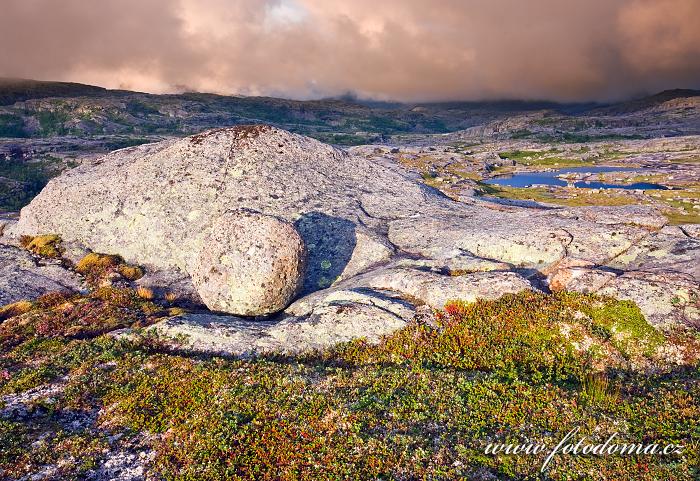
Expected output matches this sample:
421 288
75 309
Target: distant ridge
74 109
17 90
646 102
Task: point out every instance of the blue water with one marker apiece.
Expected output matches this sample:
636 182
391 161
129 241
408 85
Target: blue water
528 179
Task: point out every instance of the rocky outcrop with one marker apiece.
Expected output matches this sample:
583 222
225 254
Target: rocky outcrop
522 238
660 273
664 299
340 316
156 205
571 274
379 245
23 277
250 264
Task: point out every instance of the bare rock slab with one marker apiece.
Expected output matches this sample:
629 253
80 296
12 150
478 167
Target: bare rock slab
341 317
22 277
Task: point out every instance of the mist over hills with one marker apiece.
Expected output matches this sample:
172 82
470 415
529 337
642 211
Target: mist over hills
31 109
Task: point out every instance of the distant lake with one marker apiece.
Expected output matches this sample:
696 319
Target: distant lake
528 179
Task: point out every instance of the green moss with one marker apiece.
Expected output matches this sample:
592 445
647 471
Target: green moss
48 245
625 325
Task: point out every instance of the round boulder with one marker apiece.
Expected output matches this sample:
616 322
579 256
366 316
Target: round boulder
250 264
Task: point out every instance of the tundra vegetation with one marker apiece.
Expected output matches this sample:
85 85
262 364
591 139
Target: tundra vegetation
423 403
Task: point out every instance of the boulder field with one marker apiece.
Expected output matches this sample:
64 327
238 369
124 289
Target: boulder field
330 246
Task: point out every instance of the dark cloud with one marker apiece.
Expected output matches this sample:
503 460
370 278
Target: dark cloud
393 49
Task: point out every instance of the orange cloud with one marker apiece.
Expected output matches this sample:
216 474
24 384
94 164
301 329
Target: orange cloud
394 49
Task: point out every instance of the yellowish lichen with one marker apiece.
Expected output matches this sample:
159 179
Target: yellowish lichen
48 245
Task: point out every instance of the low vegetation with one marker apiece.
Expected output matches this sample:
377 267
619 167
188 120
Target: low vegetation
97 267
422 404
683 205
43 245
12 125
560 195
532 158
24 179
679 206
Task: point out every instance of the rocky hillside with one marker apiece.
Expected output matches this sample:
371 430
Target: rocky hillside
49 109
669 113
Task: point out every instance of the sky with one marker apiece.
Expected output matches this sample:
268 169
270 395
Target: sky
406 50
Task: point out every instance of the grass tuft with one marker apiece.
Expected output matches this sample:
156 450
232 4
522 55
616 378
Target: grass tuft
15 309
130 272
97 267
43 245
145 293
597 390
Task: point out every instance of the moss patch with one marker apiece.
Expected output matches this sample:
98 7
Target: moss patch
626 327
43 245
96 267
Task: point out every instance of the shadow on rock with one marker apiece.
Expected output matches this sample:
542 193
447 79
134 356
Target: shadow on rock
330 242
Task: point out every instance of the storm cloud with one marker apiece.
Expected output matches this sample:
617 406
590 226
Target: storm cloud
411 50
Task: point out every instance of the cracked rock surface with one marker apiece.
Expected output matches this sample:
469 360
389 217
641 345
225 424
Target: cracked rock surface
380 245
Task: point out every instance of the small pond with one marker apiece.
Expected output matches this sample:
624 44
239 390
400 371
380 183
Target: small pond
528 179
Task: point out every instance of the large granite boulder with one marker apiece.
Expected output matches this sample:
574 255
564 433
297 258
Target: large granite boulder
250 264
155 204
160 205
